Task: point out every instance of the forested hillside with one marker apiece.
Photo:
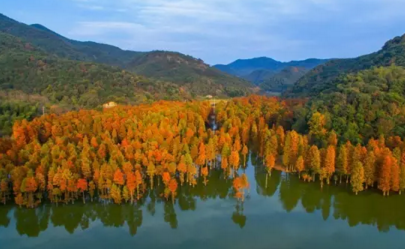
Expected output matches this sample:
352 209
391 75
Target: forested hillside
364 105
72 83
360 98
13 110
181 70
280 81
59 84
188 72
322 78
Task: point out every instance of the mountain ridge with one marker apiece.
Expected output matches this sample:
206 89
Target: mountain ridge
189 74
264 69
72 83
324 77
263 62
283 79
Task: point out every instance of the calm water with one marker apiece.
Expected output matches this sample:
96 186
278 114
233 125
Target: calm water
286 214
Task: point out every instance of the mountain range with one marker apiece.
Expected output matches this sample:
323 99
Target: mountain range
269 74
190 73
191 76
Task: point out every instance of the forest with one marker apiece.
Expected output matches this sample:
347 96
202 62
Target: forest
149 68
323 77
71 84
30 75
118 154
362 105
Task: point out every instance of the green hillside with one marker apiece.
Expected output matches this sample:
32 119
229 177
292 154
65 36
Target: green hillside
322 78
182 70
258 76
363 105
29 75
188 72
77 84
56 44
280 81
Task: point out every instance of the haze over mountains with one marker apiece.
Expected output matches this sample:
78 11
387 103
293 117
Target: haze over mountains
244 67
269 74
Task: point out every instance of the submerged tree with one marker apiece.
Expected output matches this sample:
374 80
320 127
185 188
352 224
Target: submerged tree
357 178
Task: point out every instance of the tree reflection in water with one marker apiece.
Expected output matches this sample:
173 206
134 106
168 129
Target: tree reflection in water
369 208
238 217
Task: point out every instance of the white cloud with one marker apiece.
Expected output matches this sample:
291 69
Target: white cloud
99 28
236 28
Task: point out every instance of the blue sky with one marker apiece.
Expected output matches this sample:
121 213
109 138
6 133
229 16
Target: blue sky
220 31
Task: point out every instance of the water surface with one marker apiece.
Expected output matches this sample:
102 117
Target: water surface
287 214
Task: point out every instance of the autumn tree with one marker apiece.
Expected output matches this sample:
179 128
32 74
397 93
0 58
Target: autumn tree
357 178
119 177
402 178
370 169
384 181
299 165
342 164
116 194
315 160
82 187
330 162
395 175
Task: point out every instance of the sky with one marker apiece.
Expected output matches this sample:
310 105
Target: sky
221 31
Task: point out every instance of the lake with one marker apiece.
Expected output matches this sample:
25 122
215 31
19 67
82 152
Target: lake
288 213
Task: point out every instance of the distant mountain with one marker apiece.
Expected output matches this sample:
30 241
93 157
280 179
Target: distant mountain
258 76
53 43
264 69
187 71
177 68
283 79
324 77
243 67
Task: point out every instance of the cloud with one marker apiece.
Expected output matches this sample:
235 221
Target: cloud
284 29
91 7
100 28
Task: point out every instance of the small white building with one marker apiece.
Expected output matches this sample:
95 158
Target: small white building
109 104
